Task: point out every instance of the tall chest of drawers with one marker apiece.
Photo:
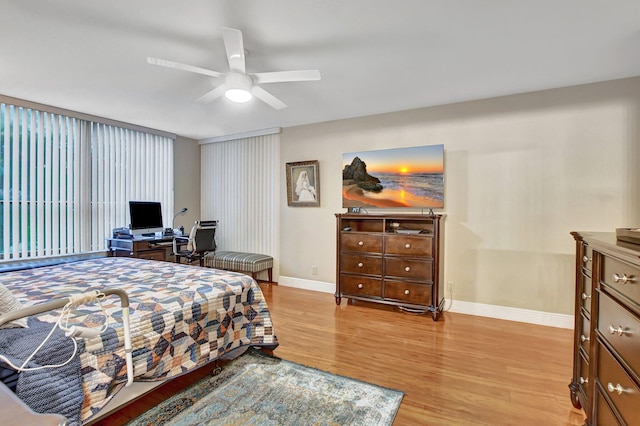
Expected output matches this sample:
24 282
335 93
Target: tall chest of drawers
606 372
391 259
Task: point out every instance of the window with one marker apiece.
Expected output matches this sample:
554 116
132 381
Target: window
65 182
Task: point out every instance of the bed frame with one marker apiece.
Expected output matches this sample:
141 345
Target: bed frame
14 412
137 390
11 407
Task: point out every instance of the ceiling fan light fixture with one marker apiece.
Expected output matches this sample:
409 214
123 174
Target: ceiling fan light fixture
238 88
238 95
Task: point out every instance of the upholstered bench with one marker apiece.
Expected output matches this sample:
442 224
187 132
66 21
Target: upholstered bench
240 262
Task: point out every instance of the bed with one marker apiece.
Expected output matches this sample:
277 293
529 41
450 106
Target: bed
181 317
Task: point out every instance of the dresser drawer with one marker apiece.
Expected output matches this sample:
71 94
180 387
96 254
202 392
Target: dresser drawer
583 376
361 243
418 294
604 415
585 293
360 286
408 245
621 329
618 386
360 264
622 277
587 259
585 336
414 269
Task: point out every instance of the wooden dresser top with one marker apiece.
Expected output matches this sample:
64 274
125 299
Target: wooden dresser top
606 242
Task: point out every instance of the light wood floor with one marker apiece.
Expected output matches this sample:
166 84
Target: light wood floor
461 370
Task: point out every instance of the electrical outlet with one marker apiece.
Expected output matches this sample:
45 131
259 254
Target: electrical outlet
314 270
450 286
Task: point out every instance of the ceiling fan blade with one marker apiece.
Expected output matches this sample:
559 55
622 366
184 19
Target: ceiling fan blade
214 94
234 46
268 98
284 76
183 67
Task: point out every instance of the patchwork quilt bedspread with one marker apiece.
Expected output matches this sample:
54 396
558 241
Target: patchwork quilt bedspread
181 317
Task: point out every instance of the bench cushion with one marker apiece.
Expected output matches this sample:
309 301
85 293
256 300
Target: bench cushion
238 261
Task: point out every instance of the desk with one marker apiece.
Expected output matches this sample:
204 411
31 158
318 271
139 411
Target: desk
148 248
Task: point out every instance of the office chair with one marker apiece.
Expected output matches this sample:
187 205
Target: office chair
201 240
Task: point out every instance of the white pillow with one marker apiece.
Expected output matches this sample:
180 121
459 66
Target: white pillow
9 303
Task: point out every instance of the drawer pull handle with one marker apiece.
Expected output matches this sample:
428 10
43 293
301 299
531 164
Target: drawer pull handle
622 279
407 268
586 259
406 292
360 243
585 296
360 285
619 331
584 338
407 246
584 380
360 264
617 388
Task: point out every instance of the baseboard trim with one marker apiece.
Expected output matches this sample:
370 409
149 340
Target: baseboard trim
320 286
529 316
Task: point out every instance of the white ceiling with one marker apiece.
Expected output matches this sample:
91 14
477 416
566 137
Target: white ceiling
375 56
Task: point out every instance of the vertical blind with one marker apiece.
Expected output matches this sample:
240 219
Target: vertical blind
241 188
66 182
127 165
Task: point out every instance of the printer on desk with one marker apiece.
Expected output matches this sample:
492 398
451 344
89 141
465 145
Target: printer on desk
122 233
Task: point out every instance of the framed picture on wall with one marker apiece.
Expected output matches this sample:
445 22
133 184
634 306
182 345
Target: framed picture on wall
303 184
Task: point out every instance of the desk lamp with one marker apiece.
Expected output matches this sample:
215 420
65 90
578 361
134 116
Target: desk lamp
173 222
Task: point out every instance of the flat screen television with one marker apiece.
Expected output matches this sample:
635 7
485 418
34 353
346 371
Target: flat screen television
146 217
394 178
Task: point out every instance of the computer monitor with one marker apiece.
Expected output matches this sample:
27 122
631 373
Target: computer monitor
146 218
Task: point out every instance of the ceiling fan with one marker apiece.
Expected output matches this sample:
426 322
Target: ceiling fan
238 85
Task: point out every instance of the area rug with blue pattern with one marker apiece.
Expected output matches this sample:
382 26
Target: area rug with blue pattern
258 389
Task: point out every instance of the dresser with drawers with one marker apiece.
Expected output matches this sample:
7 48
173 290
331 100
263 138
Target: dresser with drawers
391 259
606 367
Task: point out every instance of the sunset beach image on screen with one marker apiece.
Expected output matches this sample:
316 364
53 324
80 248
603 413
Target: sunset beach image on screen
394 178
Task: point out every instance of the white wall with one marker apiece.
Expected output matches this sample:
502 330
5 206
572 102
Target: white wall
521 172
